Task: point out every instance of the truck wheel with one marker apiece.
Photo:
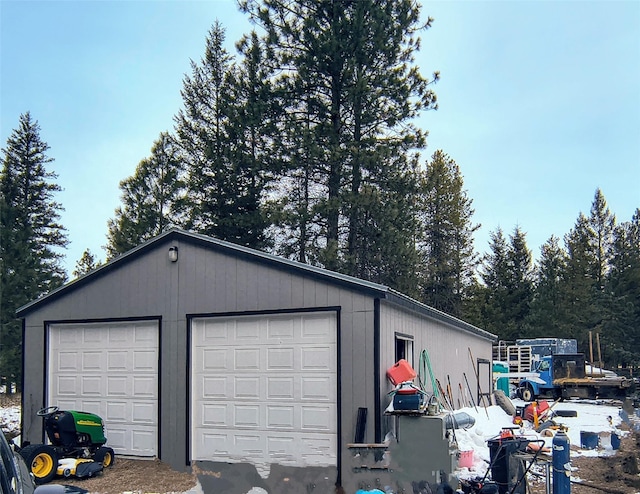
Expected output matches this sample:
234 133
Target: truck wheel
527 393
105 455
42 462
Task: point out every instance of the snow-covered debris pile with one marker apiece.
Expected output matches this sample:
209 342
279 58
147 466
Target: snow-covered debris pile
10 420
491 421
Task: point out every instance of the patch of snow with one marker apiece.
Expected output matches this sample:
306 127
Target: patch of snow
490 422
10 419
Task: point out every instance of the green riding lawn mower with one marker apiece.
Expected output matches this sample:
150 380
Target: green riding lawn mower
77 446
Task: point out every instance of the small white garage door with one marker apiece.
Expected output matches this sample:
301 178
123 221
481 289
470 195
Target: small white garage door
264 389
110 369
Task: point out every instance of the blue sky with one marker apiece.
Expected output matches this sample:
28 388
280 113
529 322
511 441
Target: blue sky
539 100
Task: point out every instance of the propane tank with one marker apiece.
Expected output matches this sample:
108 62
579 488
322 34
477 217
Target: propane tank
561 463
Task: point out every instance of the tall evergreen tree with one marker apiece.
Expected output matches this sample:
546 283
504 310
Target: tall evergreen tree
508 285
520 285
223 131
352 90
152 199
580 314
546 307
31 235
623 285
494 275
602 224
446 241
587 307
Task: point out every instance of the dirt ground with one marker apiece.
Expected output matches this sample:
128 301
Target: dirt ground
618 474
139 476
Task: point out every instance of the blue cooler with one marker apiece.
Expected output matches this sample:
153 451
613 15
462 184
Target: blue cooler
405 402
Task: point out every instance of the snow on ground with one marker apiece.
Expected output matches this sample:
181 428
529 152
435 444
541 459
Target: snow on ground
10 419
490 421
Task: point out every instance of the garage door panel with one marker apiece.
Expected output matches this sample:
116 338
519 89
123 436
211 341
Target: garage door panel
316 388
117 360
143 441
270 375
280 388
213 415
66 337
316 418
248 446
143 413
110 369
246 359
246 331
319 358
118 334
280 417
117 386
65 386
280 359
144 386
281 330
246 416
315 328
247 387
212 332
92 361
214 387
145 360
116 438
68 361
91 385
116 412
213 359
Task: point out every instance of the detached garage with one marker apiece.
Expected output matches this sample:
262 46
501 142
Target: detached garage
201 352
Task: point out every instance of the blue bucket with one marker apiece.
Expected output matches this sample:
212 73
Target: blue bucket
589 440
615 441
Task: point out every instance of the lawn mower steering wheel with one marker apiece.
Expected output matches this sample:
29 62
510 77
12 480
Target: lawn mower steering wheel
43 412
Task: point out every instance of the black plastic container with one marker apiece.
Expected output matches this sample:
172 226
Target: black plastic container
506 469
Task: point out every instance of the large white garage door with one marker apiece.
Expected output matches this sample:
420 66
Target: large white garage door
110 369
264 389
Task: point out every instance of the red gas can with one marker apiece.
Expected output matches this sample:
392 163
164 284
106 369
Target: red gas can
401 372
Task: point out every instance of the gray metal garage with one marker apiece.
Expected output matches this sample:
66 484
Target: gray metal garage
195 350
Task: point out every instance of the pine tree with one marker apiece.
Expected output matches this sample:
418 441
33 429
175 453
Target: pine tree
446 240
546 307
602 224
224 133
587 307
520 285
85 264
508 285
623 284
30 235
493 294
580 314
351 91
152 199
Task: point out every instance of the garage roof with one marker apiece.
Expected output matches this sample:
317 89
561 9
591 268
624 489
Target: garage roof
177 234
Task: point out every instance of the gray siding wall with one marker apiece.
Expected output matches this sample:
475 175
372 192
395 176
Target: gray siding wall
202 281
447 346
